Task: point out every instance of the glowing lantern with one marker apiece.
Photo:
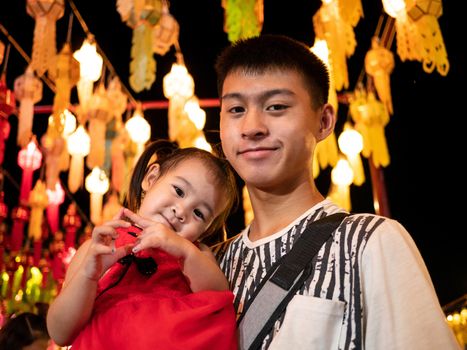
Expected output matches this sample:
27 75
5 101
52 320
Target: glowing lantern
2 51
28 90
69 124
55 197
243 19
320 49
379 63
200 142
46 13
19 215
71 223
195 113
79 144
97 184
178 86
117 99
165 32
4 133
66 76
38 202
90 68
342 178
29 159
139 130
351 144
7 99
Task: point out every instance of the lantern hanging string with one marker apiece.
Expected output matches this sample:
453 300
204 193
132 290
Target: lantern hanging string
20 50
107 62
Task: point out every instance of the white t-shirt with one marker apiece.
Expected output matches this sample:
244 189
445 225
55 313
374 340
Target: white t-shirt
369 289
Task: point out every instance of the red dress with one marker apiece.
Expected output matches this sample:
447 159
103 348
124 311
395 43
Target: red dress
158 311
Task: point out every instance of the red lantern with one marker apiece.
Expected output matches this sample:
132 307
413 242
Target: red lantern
7 99
4 133
29 159
71 223
20 216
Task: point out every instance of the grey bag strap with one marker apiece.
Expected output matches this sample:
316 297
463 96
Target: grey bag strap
282 282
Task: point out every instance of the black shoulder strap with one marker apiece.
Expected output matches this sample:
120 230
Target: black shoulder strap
282 282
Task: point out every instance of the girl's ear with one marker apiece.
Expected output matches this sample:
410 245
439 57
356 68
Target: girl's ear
327 122
151 176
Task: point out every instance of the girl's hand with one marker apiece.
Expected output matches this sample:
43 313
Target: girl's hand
157 235
102 253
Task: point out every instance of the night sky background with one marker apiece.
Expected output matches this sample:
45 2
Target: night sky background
424 182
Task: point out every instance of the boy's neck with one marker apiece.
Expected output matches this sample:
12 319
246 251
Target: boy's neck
274 212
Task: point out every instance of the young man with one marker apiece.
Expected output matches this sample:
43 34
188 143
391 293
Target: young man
369 288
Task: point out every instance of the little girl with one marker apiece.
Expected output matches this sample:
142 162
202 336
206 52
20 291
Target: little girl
143 281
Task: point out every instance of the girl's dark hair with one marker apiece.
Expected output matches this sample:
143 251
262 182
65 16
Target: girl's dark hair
270 52
168 155
22 330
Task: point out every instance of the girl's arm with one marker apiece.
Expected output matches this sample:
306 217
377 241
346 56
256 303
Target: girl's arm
72 308
198 264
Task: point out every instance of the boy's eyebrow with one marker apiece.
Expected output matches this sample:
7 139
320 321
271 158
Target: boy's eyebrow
203 203
262 95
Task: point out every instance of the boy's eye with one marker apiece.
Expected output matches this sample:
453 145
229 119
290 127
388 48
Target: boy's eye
179 191
277 107
199 214
237 109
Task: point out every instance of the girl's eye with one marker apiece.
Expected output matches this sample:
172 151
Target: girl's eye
179 191
199 214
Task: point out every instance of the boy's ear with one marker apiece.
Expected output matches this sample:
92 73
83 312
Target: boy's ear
327 122
151 176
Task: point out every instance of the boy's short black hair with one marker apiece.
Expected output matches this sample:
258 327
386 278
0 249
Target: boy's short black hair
275 52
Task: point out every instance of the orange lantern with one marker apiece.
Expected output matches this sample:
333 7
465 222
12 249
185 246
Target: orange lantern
56 197
71 224
38 202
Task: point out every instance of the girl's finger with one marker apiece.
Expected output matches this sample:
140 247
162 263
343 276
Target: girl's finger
119 214
138 220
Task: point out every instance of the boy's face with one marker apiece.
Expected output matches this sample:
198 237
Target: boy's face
268 128
184 198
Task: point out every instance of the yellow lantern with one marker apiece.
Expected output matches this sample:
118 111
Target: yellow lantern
165 32
351 144
139 131
97 184
79 144
195 113
90 68
38 202
46 13
342 178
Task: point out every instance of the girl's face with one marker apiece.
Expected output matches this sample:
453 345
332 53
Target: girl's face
184 198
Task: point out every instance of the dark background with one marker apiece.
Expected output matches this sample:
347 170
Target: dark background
425 182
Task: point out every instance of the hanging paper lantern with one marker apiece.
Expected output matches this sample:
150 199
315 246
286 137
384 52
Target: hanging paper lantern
55 197
370 117
46 13
99 115
141 16
342 178
19 215
28 90
326 154
7 99
53 148
29 159
111 207
379 63
178 86
351 144
4 133
66 76
79 144
320 49
71 224
165 32
195 113
118 167
38 202
243 19
2 51
3 208
139 130
117 99
329 25
97 184
90 67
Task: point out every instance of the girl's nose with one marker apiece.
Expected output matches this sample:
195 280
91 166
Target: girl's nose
178 213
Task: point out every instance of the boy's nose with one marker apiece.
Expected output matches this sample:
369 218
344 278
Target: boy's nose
253 125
